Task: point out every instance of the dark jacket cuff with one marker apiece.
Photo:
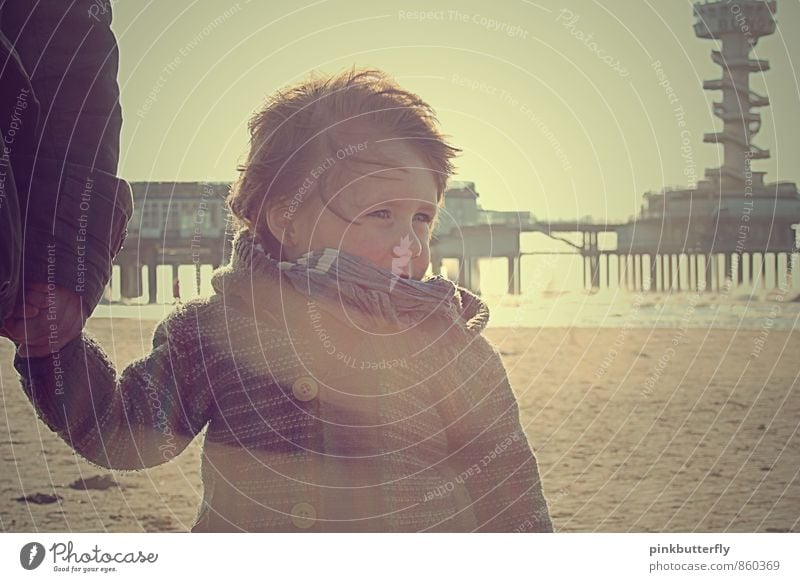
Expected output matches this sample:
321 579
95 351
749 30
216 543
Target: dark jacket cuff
73 235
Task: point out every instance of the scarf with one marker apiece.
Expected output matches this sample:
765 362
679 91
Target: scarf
378 296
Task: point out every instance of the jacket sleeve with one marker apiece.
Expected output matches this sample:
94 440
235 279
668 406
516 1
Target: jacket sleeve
74 207
489 449
144 418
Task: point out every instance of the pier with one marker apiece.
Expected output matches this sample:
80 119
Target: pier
732 229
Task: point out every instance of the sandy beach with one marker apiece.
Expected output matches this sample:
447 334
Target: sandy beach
635 430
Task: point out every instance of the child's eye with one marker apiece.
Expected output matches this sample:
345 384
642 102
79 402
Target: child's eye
386 215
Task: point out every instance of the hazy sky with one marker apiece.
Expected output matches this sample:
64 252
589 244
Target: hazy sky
551 119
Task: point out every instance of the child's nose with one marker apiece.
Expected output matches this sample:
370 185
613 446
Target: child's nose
409 245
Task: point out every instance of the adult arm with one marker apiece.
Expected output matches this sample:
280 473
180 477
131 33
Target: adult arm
75 210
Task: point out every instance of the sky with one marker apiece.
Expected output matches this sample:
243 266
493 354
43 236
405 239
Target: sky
563 109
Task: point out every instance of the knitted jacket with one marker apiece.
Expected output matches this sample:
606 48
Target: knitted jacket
310 426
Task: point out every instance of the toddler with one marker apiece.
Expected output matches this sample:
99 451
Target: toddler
340 388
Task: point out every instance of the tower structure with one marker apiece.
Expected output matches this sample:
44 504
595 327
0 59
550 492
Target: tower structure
733 221
738 26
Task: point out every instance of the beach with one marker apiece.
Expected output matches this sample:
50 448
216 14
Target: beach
635 428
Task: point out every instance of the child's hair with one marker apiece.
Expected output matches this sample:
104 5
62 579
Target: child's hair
324 118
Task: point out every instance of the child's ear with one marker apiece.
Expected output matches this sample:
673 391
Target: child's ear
280 224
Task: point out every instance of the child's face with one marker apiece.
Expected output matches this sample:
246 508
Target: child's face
394 209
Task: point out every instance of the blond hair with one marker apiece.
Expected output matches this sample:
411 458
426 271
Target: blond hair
316 119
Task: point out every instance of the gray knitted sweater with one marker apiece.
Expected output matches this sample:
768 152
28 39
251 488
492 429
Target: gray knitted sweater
311 425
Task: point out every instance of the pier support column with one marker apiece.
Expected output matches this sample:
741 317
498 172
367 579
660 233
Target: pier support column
695 272
777 270
469 275
728 267
745 258
152 281
436 264
652 268
513 275
463 267
630 271
675 264
594 263
642 275
130 280
739 269
626 271
689 273
475 275
583 264
175 275
457 276
670 272
708 260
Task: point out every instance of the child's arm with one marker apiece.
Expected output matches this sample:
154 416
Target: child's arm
491 455
144 418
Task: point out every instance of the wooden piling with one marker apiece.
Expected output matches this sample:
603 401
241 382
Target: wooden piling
152 282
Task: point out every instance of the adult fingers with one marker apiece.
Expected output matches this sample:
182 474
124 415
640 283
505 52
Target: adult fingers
29 351
29 331
37 298
13 329
25 311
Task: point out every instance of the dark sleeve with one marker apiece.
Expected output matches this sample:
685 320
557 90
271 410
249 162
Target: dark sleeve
144 418
490 451
76 210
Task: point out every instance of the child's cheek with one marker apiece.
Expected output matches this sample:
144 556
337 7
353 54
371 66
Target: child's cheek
420 265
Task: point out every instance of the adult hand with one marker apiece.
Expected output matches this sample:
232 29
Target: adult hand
49 318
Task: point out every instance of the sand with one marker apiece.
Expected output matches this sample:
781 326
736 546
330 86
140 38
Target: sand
635 430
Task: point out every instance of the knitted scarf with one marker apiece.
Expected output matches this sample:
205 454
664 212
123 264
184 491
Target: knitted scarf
377 295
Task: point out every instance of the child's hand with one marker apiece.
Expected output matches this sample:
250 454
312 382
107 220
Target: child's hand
46 321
